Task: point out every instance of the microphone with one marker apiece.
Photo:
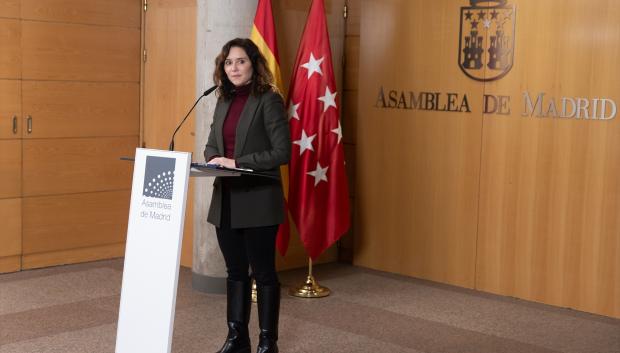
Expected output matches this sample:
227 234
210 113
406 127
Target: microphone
206 93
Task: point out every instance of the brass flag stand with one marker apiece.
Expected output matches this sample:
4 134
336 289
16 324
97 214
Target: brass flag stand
310 288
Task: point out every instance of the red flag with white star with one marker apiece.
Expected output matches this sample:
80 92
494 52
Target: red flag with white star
318 190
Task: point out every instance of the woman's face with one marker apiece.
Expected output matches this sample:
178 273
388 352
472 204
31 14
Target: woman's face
238 67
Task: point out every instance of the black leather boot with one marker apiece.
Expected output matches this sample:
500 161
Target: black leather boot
238 304
268 300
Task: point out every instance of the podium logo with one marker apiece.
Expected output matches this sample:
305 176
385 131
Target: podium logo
487 39
159 177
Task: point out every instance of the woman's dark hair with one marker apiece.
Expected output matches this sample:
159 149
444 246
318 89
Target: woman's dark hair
262 79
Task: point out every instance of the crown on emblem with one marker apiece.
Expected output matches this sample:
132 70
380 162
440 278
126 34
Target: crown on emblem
491 3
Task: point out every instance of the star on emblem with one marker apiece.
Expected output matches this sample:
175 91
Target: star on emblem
338 131
313 65
305 143
319 174
486 23
292 111
329 99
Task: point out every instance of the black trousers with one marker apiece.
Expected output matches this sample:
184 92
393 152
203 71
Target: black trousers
245 248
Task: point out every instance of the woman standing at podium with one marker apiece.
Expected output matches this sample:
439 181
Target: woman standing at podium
249 130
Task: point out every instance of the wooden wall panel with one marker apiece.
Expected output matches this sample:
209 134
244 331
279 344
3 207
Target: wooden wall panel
171 63
79 109
170 38
101 12
417 174
10 263
65 222
549 226
10 150
10 106
57 166
349 118
354 17
11 234
10 168
80 64
351 52
9 8
10 60
72 256
296 257
53 51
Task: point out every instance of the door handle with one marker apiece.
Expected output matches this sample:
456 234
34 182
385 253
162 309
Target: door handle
29 123
14 124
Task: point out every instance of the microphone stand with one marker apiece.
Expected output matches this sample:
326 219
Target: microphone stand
206 93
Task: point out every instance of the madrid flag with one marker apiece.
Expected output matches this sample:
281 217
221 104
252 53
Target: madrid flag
264 36
318 193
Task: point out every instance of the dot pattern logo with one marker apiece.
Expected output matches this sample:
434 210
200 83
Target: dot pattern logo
159 177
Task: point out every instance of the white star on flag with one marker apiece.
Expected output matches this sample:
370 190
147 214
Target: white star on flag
305 143
313 65
292 111
319 174
486 23
338 131
329 99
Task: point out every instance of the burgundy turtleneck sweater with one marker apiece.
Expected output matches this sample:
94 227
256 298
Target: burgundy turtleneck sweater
229 129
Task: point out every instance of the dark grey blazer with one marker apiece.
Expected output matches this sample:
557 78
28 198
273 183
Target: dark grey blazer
262 143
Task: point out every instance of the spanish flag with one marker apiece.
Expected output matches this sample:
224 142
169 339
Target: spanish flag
264 36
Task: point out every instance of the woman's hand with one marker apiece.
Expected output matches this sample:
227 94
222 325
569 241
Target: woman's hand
224 162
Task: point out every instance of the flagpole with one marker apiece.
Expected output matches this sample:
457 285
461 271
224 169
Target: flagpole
310 288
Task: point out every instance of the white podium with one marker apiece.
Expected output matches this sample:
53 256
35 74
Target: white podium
153 251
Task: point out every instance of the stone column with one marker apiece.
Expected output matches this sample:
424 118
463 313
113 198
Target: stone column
218 22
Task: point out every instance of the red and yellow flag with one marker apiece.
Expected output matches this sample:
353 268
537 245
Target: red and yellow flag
264 36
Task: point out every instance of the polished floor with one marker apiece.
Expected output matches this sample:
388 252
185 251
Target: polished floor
73 309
